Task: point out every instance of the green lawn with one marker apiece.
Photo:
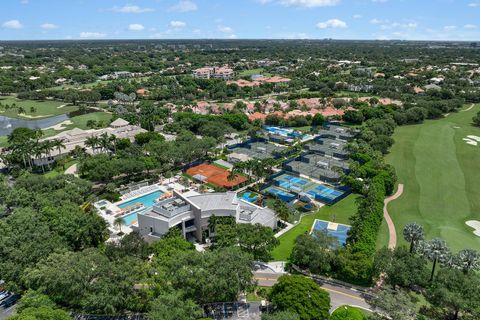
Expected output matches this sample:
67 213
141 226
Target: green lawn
340 211
441 177
248 73
81 122
77 122
44 109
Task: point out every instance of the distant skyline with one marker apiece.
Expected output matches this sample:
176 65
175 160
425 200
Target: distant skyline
242 19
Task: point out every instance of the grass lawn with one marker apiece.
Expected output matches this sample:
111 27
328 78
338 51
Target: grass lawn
351 313
248 73
44 109
441 177
81 122
341 211
77 122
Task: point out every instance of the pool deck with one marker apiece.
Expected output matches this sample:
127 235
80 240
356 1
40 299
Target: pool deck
116 210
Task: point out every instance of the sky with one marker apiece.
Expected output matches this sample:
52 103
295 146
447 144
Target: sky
242 19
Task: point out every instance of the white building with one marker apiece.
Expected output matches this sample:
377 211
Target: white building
76 137
190 213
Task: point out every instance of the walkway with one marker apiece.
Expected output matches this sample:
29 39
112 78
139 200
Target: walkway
392 240
72 170
469 108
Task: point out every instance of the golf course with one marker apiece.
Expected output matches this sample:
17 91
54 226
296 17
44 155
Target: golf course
439 164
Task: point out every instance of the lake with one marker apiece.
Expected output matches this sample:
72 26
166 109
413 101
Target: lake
8 124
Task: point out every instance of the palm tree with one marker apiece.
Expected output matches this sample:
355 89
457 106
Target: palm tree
118 222
58 143
413 233
435 250
39 151
104 142
467 260
92 142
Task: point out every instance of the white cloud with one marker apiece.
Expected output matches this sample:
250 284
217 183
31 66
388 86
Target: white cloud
357 16
12 24
264 1
24 1
309 3
184 6
49 26
396 25
474 4
377 21
131 9
177 24
225 29
92 35
449 28
136 27
332 23
470 26
232 36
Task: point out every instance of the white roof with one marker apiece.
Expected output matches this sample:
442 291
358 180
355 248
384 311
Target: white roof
119 123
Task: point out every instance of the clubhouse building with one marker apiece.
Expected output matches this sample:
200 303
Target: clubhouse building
191 213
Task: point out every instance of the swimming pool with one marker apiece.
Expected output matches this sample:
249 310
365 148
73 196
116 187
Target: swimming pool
147 201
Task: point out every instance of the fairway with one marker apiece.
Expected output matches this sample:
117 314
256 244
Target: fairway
339 212
44 109
441 174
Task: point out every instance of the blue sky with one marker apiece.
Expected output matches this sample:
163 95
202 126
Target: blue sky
288 19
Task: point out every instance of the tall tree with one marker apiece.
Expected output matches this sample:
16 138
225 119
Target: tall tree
413 233
435 250
302 296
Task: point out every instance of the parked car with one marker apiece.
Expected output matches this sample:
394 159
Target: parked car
10 301
4 295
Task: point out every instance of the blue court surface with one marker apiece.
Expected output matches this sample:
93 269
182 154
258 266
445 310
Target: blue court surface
337 230
284 132
314 190
279 193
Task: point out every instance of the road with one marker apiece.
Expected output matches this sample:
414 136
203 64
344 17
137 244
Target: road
5 313
339 295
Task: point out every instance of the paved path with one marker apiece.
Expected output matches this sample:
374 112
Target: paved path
469 108
72 170
392 240
339 295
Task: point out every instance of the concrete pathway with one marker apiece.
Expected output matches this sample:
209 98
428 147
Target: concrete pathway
72 170
392 240
469 108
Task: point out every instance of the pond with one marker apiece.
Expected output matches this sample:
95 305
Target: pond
8 124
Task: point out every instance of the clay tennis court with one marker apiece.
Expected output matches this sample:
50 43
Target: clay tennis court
215 175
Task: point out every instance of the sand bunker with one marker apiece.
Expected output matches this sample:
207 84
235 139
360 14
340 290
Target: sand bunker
475 224
60 126
456 127
471 141
29 116
474 138
63 105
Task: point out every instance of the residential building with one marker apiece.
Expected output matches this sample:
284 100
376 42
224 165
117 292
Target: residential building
191 214
224 73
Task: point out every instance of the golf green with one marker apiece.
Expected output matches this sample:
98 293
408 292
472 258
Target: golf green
441 174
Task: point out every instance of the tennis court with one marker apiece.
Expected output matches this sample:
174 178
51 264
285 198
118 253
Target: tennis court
280 194
215 175
333 229
303 186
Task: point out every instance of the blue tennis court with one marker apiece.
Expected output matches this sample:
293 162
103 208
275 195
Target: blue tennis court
337 230
282 195
314 190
